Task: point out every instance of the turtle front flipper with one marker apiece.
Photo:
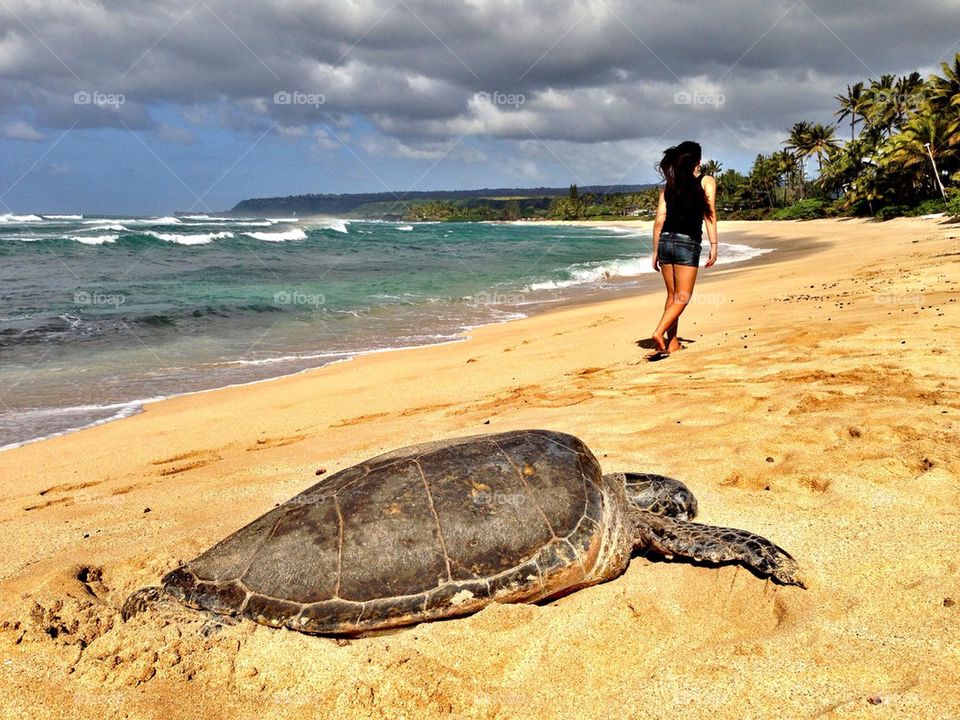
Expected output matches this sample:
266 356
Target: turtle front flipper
673 537
140 600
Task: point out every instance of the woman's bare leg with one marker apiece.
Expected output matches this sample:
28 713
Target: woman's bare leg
684 278
668 281
672 335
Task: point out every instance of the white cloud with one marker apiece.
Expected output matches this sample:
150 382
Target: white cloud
599 79
20 130
175 135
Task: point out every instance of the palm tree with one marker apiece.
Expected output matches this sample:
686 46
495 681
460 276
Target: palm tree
908 98
908 150
711 167
800 143
881 110
945 91
853 103
821 142
764 178
785 165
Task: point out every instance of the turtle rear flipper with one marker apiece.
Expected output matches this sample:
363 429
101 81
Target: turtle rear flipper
673 537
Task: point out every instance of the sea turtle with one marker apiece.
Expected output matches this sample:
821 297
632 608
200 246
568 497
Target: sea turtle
444 528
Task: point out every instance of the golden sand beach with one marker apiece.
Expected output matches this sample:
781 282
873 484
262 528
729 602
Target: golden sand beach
816 403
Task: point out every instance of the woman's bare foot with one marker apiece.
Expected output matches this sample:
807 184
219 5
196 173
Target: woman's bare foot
658 339
674 345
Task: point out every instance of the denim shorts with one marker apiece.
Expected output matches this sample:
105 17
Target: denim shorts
678 249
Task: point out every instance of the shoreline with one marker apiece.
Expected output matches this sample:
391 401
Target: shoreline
815 404
136 406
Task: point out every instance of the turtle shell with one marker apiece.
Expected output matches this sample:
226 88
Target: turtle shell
421 533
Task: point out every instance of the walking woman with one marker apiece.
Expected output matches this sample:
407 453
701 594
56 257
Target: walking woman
687 201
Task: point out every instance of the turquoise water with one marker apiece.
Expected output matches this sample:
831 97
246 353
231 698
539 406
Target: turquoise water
98 315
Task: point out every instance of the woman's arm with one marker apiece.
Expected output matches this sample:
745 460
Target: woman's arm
657 227
710 189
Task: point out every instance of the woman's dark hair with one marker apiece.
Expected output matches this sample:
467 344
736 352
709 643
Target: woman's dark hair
676 167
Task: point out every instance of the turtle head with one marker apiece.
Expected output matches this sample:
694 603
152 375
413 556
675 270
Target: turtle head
660 495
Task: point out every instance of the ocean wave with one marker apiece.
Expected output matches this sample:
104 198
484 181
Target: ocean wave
592 273
198 239
94 239
283 236
205 217
165 220
586 273
13 218
117 411
291 358
405 227
621 230
114 227
337 224
63 217
732 252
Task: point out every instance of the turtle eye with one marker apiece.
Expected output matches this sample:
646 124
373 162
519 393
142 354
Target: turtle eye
685 504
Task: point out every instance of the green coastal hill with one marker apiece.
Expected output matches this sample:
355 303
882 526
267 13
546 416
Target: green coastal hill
482 204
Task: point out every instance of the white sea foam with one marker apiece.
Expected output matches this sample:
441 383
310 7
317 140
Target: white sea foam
621 230
165 220
405 227
295 234
586 273
63 217
338 224
198 239
94 239
594 273
115 227
119 410
291 358
732 252
13 218
205 217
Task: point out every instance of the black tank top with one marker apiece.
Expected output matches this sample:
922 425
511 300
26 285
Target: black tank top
684 217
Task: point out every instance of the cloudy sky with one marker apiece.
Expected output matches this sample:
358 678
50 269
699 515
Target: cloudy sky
143 106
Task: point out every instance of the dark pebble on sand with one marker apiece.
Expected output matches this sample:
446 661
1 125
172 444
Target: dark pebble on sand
320 471
146 510
769 459
486 422
767 488
86 535
949 602
876 699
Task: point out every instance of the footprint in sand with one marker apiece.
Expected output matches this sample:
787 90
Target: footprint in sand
187 461
266 443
